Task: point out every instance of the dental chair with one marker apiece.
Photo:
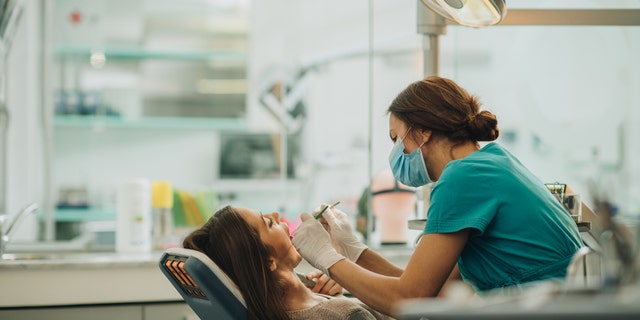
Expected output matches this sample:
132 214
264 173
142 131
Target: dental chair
203 285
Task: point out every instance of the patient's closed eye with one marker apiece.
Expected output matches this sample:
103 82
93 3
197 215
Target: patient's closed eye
270 221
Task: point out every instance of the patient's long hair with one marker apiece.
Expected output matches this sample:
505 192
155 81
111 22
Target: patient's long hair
236 248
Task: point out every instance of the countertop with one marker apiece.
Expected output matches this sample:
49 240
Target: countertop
77 260
78 278
55 279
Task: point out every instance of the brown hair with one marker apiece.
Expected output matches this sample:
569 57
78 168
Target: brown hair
236 248
440 105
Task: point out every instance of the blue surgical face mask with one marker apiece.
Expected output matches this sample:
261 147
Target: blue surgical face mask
409 169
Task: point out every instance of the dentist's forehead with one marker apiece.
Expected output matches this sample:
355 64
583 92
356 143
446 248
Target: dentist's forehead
396 126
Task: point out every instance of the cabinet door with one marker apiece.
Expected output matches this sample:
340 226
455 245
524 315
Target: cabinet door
132 312
169 311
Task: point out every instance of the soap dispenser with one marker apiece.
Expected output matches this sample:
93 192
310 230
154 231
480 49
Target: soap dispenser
133 218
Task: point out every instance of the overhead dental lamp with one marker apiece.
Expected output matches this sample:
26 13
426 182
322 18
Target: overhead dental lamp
471 13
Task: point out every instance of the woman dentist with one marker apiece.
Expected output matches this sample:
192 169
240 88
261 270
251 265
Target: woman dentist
490 222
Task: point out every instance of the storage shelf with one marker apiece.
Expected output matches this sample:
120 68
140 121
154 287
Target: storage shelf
136 53
80 121
253 184
77 215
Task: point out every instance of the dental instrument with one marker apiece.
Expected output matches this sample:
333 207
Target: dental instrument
307 282
317 216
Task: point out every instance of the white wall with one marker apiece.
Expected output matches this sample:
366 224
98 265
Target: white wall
567 93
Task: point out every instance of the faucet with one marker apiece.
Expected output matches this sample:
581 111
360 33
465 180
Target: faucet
5 234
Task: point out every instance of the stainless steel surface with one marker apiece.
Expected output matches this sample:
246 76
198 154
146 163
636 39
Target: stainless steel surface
417 224
431 26
38 257
474 14
307 282
5 234
76 260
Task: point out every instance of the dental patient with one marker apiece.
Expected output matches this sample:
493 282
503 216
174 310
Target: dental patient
256 252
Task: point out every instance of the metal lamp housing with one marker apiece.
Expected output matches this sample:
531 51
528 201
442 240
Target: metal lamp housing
471 13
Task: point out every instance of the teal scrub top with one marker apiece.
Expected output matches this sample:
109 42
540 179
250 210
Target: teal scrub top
519 231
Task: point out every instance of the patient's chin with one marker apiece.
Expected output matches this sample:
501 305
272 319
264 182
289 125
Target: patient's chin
298 258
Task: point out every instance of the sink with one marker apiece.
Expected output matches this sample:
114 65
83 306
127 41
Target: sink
49 256
38 259
78 244
27 256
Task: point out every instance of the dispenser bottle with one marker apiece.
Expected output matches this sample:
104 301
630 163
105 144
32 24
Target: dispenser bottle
162 215
133 220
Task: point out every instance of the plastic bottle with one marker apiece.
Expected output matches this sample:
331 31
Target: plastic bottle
133 221
162 215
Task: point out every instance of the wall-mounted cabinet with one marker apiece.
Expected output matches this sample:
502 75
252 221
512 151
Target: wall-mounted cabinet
138 58
140 89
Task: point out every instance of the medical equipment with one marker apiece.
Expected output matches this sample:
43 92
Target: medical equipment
393 204
470 13
317 216
203 285
307 282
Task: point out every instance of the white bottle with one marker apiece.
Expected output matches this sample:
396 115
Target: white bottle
133 220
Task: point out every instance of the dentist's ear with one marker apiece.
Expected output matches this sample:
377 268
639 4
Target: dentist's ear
426 135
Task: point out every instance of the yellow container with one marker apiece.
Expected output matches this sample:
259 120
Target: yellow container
161 194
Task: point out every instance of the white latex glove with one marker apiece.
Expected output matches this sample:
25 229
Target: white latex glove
314 244
343 236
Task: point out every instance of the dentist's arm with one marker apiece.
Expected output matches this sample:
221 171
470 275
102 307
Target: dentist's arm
428 269
374 262
346 242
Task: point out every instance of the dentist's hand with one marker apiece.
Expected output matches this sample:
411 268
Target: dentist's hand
343 236
313 242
